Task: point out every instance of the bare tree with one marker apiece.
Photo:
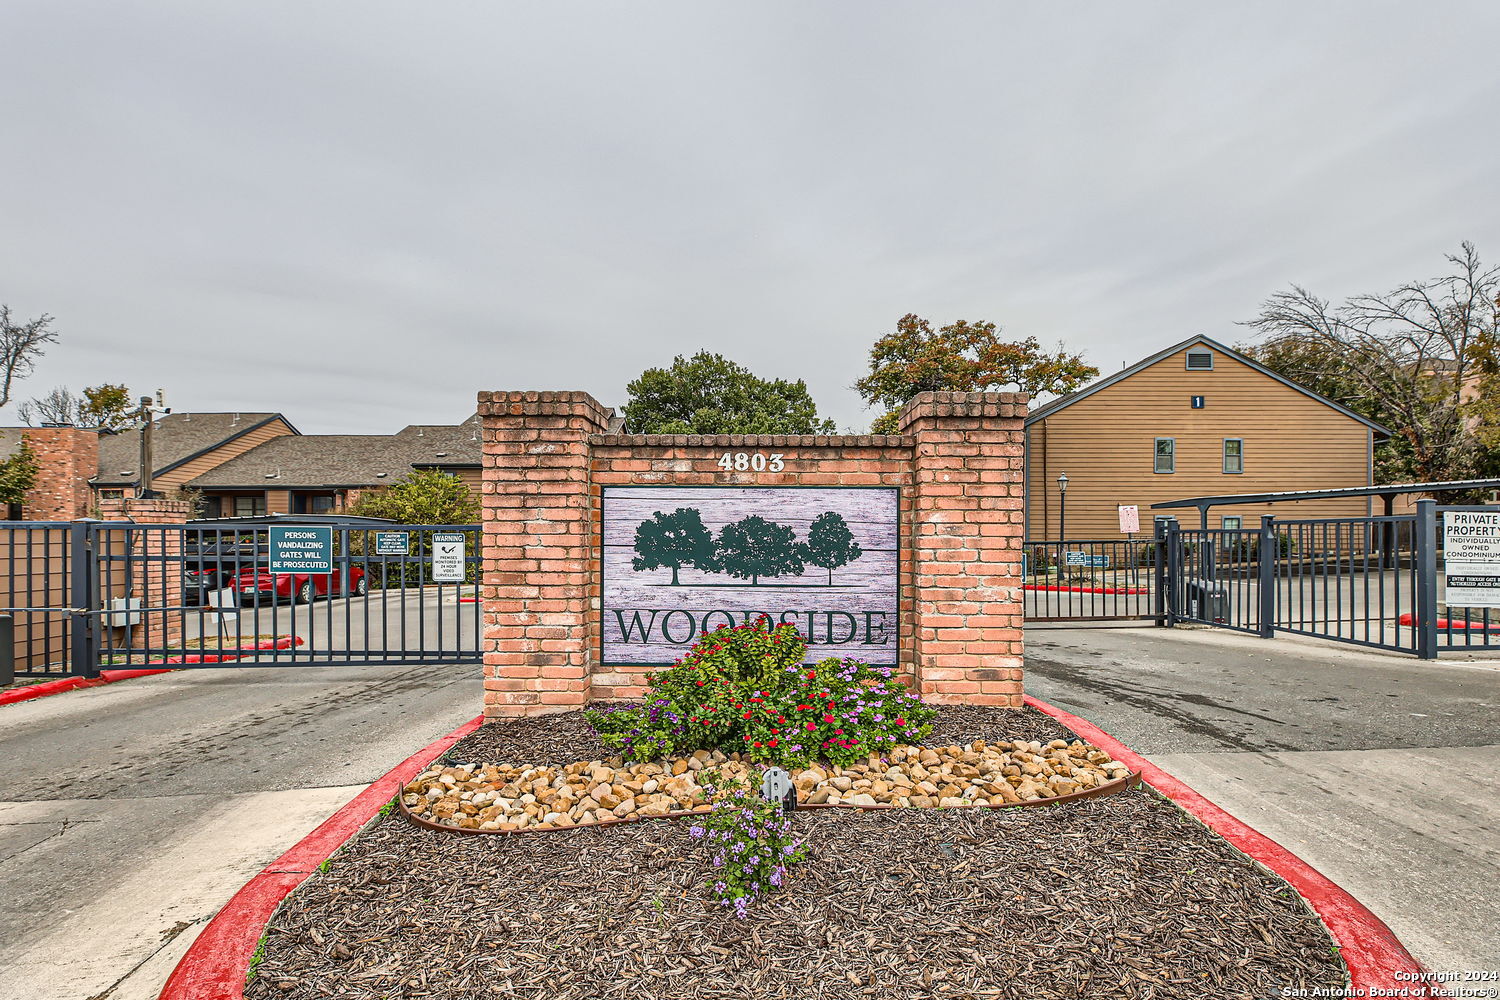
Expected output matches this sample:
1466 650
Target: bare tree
59 406
1411 358
21 345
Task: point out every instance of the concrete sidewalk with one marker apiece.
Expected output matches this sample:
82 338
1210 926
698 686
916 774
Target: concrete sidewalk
1380 770
130 813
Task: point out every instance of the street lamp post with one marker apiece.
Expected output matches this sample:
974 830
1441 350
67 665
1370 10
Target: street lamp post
1062 515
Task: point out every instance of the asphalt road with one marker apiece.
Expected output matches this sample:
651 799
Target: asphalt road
130 813
1380 770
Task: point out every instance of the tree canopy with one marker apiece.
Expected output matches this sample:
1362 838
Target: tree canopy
18 473
753 547
1420 360
961 357
22 344
673 541
108 407
709 394
830 544
423 496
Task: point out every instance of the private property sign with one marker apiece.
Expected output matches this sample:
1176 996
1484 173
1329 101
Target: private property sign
1471 555
678 562
297 548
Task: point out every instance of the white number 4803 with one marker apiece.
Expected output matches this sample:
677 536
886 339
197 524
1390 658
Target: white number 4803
744 462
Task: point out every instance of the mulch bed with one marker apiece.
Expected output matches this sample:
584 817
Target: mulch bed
1122 896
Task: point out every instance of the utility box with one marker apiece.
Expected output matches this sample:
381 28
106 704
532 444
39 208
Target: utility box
1206 601
7 650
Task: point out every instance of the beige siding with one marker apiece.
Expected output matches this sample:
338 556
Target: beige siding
218 456
278 502
1105 443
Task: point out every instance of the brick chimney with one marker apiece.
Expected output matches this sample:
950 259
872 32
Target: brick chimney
67 458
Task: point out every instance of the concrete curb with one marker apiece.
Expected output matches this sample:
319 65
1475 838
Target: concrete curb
46 688
1369 948
215 965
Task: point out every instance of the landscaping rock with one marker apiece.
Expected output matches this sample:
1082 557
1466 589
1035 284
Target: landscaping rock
983 773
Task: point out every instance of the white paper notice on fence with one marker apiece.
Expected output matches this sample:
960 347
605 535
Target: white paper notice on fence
225 601
1471 555
1130 519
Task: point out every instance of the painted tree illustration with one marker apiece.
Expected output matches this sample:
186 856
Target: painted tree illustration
830 544
674 540
754 547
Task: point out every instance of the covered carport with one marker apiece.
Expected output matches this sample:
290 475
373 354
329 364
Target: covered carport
1387 494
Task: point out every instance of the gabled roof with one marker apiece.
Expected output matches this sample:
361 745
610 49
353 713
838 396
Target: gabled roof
1061 402
175 439
314 461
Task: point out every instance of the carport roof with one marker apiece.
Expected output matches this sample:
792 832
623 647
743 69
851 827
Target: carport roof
336 519
1389 489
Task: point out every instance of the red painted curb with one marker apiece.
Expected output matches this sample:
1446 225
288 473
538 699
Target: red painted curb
215 965
1086 590
111 676
1369 948
1410 620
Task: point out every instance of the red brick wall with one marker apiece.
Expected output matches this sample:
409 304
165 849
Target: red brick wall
67 458
958 463
158 579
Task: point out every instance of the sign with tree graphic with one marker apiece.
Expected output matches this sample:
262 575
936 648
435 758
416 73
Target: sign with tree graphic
681 561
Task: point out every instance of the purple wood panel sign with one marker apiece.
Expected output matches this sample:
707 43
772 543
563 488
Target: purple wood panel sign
679 561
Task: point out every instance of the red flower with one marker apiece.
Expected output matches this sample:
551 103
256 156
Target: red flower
775 730
900 722
773 742
699 683
747 715
827 718
811 727
757 742
838 732
812 675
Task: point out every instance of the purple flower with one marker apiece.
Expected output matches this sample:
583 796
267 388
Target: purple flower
696 832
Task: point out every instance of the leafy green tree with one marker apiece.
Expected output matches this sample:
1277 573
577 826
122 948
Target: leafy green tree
753 547
1420 359
18 473
709 394
830 544
961 357
674 540
108 407
423 496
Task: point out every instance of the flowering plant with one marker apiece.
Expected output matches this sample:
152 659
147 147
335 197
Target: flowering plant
750 841
745 688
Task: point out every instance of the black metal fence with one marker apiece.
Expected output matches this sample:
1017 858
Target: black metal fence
88 596
1368 581
1090 580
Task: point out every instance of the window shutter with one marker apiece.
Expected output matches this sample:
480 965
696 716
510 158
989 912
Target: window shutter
1200 361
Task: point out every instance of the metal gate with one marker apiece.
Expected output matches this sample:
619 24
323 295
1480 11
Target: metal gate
1092 580
91 595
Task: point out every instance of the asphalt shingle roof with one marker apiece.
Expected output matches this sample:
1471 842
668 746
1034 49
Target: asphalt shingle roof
318 460
174 437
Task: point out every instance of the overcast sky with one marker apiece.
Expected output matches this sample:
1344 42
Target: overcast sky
360 214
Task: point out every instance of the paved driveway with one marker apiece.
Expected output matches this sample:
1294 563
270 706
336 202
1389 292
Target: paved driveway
1380 770
130 813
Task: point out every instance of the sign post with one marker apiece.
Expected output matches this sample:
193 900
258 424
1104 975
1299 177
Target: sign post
1130 523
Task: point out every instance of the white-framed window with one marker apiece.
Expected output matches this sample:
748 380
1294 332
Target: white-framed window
1230 522
1234 456
1166 455
1200 361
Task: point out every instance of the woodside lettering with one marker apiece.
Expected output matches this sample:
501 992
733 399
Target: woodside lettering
680 627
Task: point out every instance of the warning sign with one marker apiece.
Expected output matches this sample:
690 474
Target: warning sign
1471 555
447 557
301 549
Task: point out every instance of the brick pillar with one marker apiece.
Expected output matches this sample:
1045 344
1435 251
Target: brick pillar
157 575
537 583
67 458
967 532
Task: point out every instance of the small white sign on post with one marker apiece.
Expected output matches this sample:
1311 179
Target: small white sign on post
1471 556
447 557
1130 519
225 601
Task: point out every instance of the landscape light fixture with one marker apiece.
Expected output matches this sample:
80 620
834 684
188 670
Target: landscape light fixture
1062 507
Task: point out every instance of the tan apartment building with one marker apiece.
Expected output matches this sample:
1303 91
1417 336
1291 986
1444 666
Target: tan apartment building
1197 419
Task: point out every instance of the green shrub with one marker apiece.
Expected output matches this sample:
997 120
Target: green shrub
745 688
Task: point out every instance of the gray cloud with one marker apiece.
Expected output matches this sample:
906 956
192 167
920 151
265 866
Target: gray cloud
361 214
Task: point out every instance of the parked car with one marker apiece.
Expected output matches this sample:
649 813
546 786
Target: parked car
258 583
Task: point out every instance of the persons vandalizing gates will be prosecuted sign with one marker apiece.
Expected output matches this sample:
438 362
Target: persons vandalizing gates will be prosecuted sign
297 548
1471 556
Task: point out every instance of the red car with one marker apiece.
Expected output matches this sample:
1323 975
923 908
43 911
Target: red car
299 587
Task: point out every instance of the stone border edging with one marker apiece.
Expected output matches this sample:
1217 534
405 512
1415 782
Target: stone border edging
62 684
215 965
1108 788
1370 949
